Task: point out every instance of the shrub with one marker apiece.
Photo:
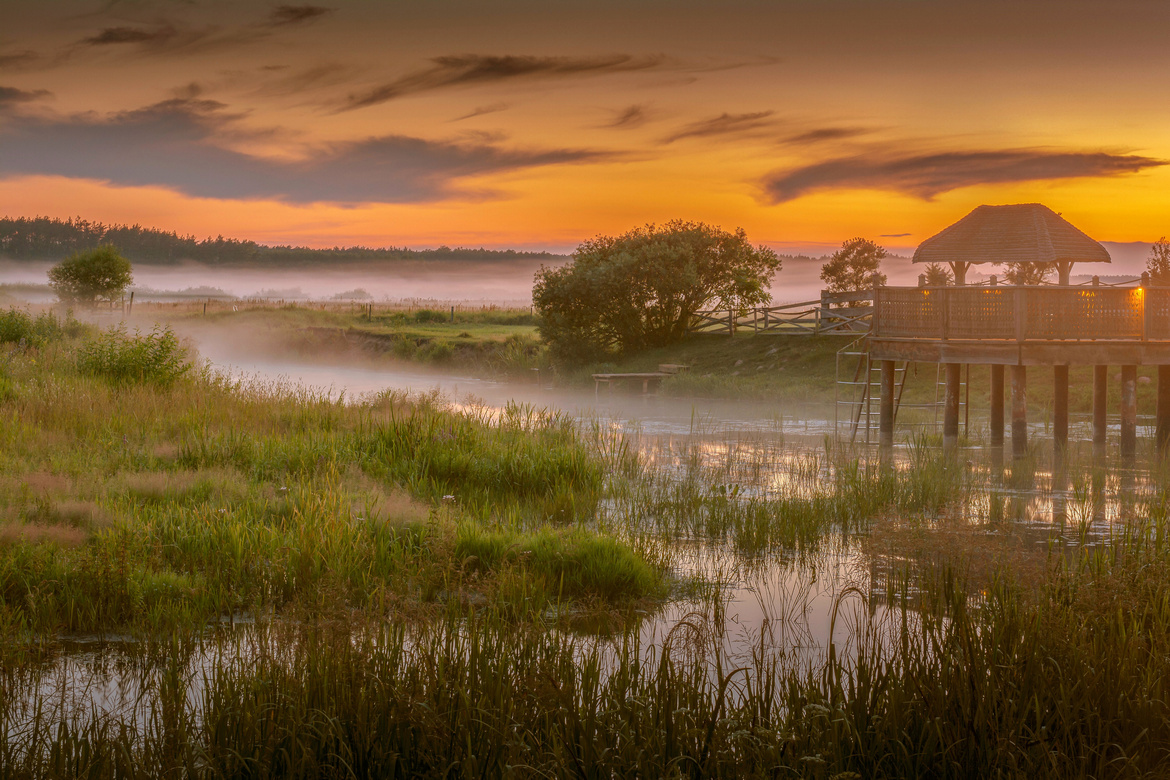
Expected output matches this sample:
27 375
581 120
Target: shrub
429 315
86 277
154 358
17 325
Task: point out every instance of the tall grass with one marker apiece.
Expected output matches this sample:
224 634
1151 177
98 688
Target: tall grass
1058 683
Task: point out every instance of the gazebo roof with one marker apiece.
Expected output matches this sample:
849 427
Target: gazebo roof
1019 233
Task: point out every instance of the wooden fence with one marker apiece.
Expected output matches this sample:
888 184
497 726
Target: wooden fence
836 313
1018 313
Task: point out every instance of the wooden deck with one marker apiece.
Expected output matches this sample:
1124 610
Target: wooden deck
1050 325
1023 326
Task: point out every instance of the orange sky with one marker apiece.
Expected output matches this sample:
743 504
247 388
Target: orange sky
539 124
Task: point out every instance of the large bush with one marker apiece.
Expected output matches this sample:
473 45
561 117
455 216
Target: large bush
90 276
153 358
642 289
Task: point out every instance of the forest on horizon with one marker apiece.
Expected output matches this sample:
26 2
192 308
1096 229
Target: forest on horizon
53 239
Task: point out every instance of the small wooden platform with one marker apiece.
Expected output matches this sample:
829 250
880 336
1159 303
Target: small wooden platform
647 378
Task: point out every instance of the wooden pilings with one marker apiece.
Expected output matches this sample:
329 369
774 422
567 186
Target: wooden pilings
996 406
1019 411
886 408
1162 426
1128 412
954 374
1059 410
1100 391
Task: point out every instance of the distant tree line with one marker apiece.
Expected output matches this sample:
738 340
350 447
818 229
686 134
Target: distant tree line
48 238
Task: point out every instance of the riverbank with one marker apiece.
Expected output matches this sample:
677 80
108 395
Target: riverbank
502 343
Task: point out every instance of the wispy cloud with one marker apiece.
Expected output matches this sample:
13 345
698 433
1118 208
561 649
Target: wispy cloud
284 15
929 175
895 235
628 117
724 124
177 145
114 36
481 110
822 134
18 59
11 95
469 69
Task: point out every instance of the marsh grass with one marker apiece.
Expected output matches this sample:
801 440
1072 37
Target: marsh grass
146 497
1012 684
314 588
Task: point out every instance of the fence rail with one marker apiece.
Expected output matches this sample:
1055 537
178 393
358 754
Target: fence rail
833 313
1018 313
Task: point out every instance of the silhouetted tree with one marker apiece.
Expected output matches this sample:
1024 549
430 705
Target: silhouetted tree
1158 262
1026 273
938 275
87 277
854 267
642 289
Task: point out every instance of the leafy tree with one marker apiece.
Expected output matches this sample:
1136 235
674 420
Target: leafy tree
642 289
89 276
1026 273
1158 263
938 275
854 267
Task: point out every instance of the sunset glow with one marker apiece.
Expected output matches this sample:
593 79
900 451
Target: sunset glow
538 125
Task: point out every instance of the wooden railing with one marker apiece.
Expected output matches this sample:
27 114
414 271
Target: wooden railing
834 313
1041 313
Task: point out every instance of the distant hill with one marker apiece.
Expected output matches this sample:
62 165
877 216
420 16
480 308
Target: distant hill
47 238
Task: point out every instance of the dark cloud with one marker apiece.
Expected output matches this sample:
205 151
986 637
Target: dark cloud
174 145
18 59
724 124
928 175
11 95
895 235
113 36
284 15
630 116
469 69
825 134
481 110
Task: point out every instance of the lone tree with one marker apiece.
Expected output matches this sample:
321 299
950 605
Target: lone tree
854 267
89 276
1158 263
643 289
938 275
1026 273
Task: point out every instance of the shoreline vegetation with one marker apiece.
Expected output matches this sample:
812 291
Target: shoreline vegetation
504 343
308 588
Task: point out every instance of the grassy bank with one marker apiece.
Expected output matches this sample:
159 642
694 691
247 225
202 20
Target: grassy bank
489 341
140 493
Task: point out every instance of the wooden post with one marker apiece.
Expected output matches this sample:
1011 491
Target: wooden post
997 406
1162 431
1019 411
1059 411
886 407
130 309
951 405
1128 412
1100 391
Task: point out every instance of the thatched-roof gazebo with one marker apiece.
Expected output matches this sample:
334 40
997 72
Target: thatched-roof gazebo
1019 233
